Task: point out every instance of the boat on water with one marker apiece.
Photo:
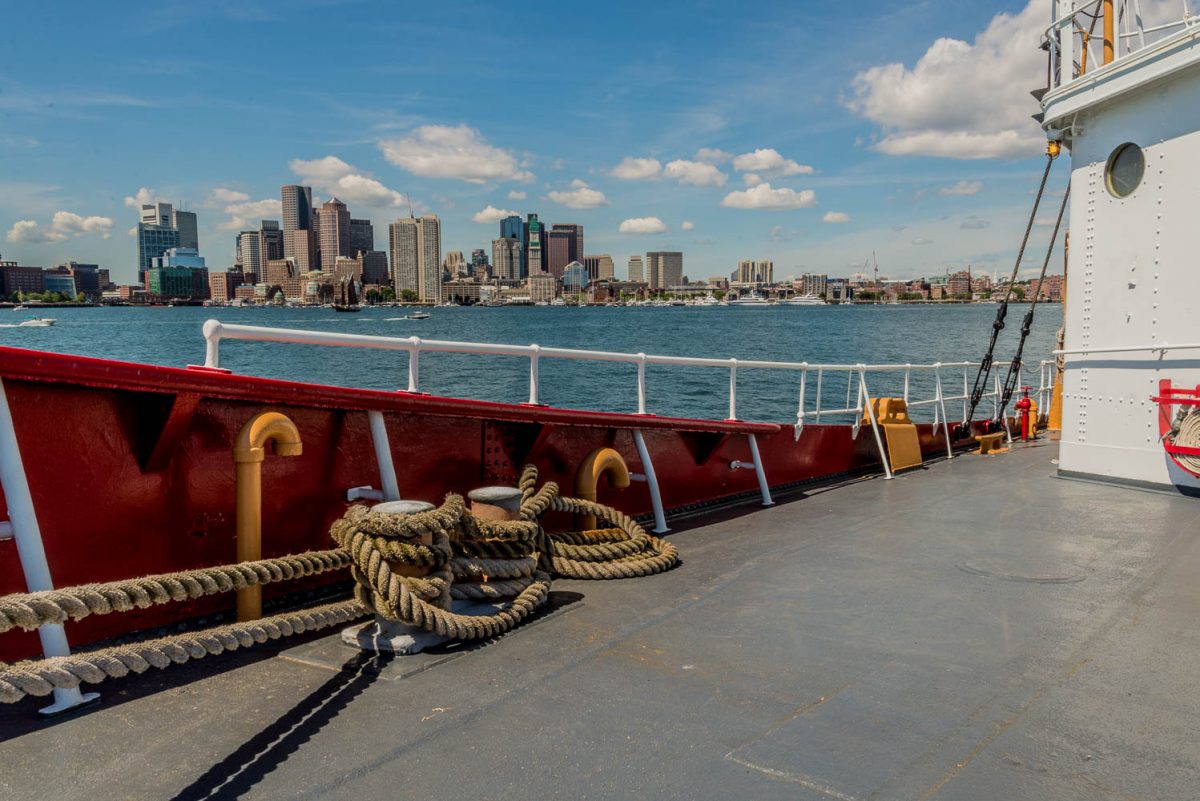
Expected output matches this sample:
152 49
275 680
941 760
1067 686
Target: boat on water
417 315
751 298
38 322
341 307
965 626
803 300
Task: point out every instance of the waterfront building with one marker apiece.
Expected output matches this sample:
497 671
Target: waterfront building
535 256
334 222
59 280
464 292
375 268
153 239
563 245
416 251
513 227
14 278
959 284
813 284
599 267
276 271
178 273
303 248
612 291
479 263
362 237
574 278
297 216
506 258
543 287
185 223
431 258
455 263
87 278
755 272
1050 289
249 251
270 240
636 270
222 285
664 269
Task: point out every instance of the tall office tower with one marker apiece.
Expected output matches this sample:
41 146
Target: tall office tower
249 250
575 238
506 258
276 271
362 237
375 267
185 223
153 240
270 240
599 267
455 263
297 216
558 251
431 258
303 244
514 228
479 262
404 250
158 214
535 257
664 269
334 221
756 272
636 269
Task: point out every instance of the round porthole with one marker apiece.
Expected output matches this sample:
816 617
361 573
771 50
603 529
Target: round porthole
1124 171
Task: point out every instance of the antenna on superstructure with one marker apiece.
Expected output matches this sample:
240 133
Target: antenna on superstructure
408 200
876 263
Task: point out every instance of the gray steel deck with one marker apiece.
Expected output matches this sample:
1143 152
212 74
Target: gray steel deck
977 630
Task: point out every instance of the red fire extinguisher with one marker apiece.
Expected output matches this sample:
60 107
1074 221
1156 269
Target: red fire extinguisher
1023 406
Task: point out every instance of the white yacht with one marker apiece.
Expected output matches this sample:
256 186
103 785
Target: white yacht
751 298
804 300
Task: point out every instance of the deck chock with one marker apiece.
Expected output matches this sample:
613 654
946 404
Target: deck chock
990 444
899 432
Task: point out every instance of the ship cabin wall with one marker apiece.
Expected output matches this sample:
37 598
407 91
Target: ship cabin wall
1133 279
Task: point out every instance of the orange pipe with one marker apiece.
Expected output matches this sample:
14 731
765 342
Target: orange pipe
1110 20
587 478
248 453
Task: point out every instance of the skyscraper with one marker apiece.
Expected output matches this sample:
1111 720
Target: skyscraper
334 221
534 243
185 223
506 258
375 267
249 250
636 269
153 239
158 213
297 216
558 251
756 272
514 228
479 262
574 233
416 250
270 240
362 237
431 258
599 267
664 269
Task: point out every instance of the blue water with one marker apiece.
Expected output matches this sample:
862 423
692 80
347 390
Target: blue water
828 334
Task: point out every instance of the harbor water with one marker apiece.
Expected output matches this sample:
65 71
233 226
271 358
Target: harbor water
916 334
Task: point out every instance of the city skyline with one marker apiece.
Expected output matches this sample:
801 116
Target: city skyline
812 162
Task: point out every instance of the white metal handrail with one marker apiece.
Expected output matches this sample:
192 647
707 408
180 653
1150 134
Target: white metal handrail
1162 346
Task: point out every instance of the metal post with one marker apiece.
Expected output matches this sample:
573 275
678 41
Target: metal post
732 389
641 383
383 457
30 550
758 471
414 365
863 394
660 518
817 409
941 404
966 394
212 343
800 410
907 370
533 374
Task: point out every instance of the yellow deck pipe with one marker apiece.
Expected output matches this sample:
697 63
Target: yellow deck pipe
1110 19
587 478
248 454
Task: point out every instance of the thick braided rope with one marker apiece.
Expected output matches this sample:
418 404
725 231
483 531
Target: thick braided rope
491 590
469 569
42 676
31 610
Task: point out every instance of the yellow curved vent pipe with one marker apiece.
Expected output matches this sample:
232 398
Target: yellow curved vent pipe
587 478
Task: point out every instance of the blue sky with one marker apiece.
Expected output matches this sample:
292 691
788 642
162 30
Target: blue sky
807 133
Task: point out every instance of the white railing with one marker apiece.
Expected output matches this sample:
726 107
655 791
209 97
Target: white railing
813 379
1075 37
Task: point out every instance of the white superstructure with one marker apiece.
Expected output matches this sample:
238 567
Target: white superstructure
1131 120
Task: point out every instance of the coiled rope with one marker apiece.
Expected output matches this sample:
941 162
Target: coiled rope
1186 433
450 554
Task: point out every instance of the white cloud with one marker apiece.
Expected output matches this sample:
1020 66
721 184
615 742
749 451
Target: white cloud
835 217
712 155
962 188
453 151
581 196
132 231
767 159
781 234
515 195
642 225
920 240
636 169
1044 222
144 196
222 196
688 225
764 197
696 173
491 214
752 179
961 100
63 226
332 176
973 223
247 215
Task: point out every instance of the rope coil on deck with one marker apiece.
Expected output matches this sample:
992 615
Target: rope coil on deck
449 553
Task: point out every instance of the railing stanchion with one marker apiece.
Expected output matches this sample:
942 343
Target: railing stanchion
534 353
941 404
733 363
641 383
760 472
799 427
660 517
383 457
865 397
414 365
817 406
966 395
907 371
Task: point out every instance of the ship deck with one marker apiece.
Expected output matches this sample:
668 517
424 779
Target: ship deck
974 630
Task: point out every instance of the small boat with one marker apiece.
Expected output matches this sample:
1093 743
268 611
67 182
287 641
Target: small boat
803 300
752 298
417 315
341 307
38 322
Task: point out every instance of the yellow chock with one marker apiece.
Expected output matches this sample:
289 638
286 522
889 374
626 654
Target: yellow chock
899 432
587 479
990 444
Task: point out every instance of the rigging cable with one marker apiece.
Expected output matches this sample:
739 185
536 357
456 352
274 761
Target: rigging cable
985 365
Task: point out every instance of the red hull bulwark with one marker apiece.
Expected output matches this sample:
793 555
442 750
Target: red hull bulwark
131 471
